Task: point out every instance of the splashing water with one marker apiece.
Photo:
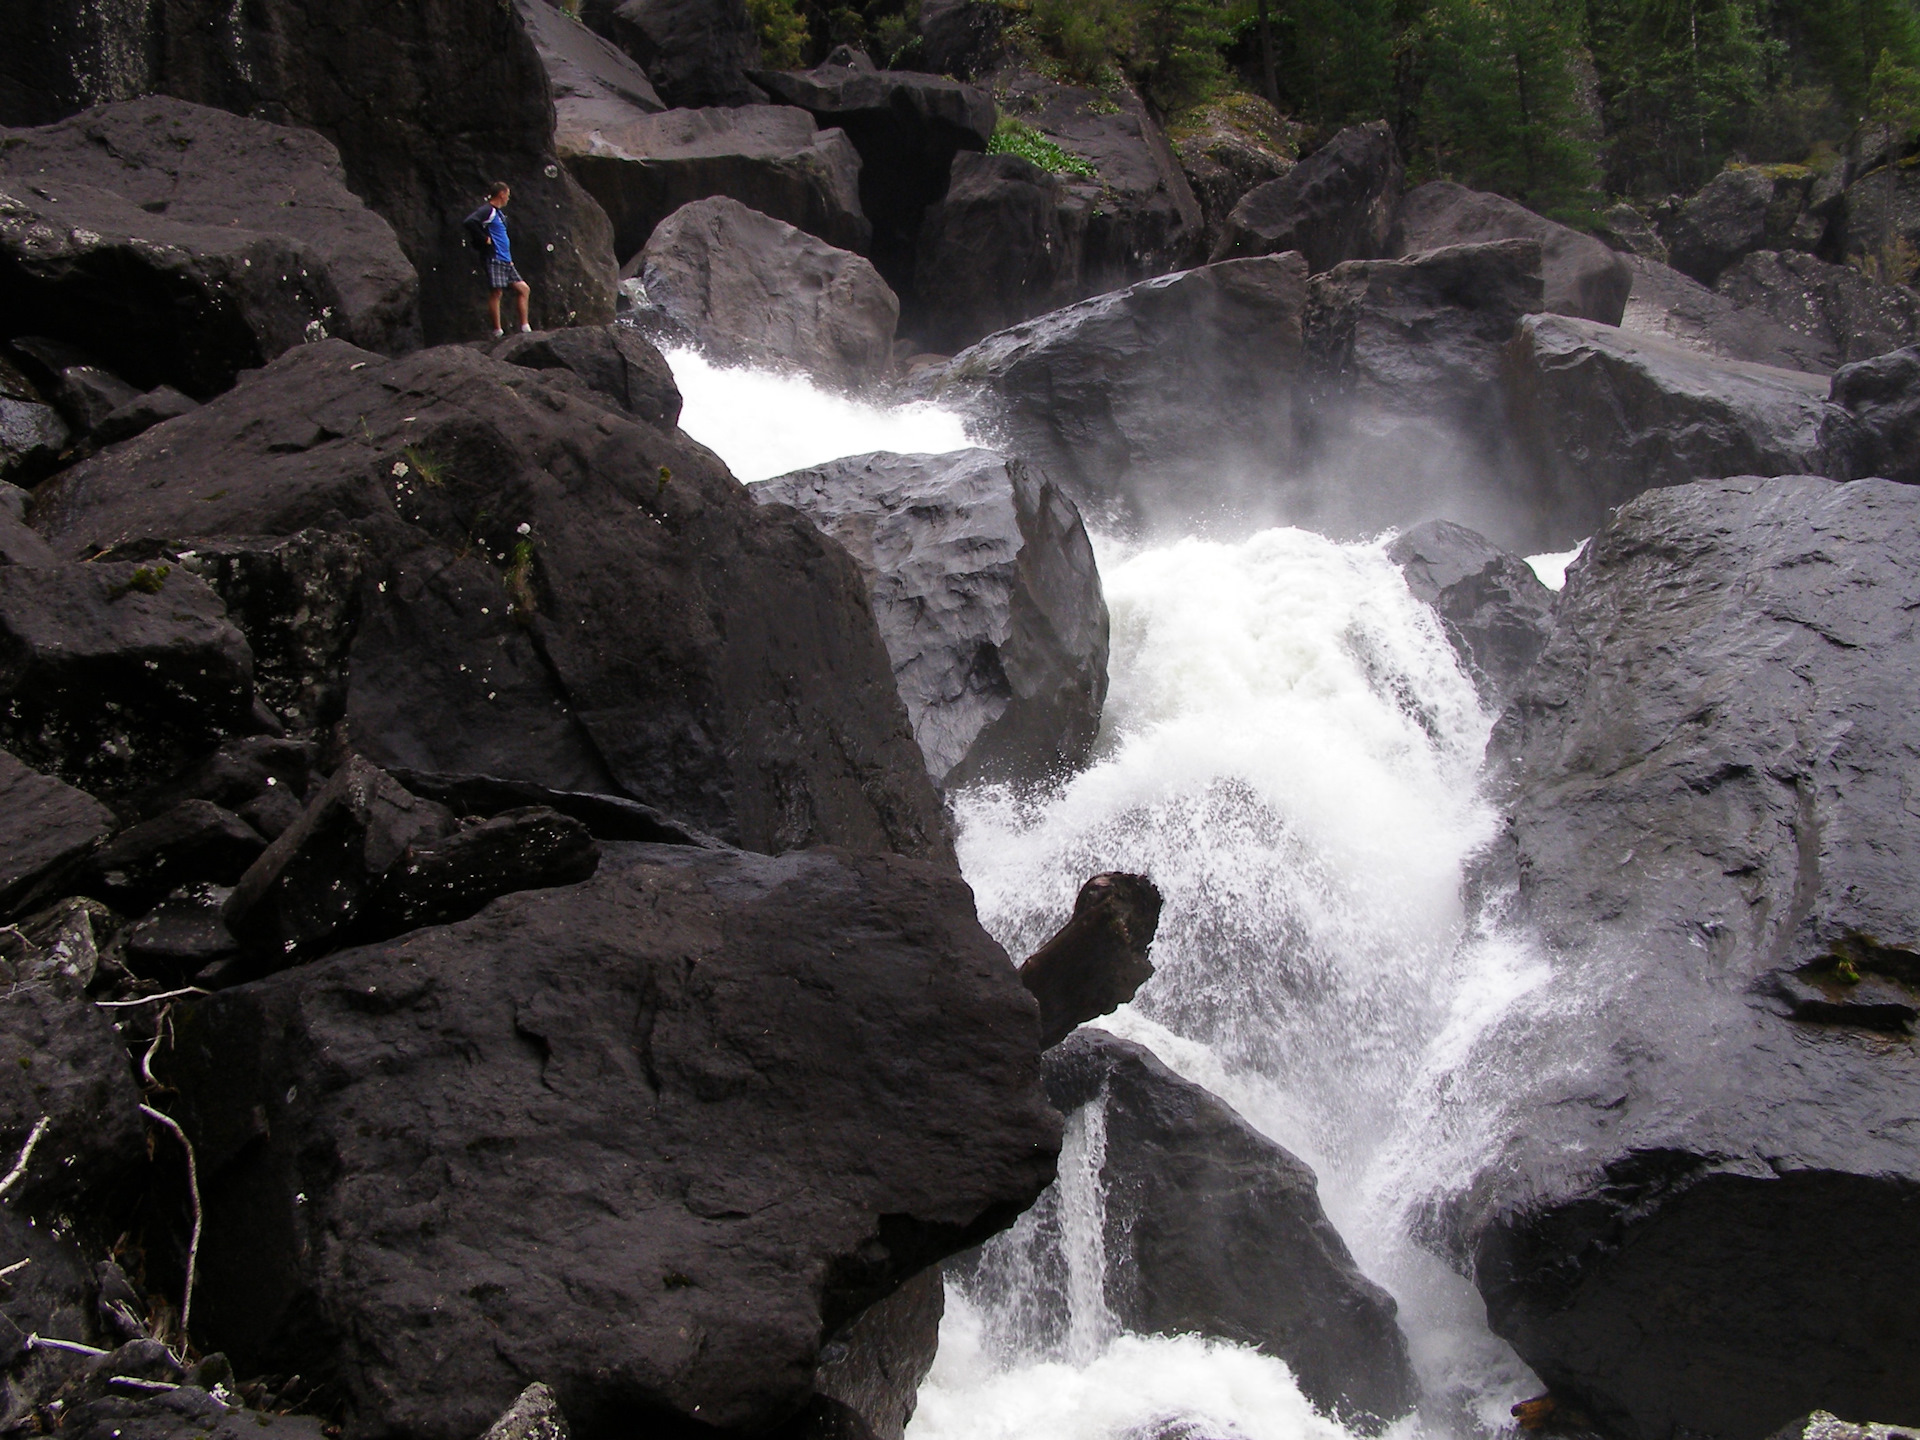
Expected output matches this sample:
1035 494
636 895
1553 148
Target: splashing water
764 424
1290 750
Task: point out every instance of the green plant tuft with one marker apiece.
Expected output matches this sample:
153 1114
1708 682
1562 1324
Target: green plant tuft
1016 137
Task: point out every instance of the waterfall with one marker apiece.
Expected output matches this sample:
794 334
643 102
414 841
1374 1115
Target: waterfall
1291 750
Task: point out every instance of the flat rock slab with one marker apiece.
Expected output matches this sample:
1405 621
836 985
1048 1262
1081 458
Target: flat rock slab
1840 314
542 589
1677 308
653 1137
985 587
180 244
1693 1211
595 83
773 158
44 824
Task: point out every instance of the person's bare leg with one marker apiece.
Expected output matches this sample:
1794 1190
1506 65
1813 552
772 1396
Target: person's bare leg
493 307
520 293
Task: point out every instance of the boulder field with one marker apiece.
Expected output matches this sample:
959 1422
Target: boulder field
479 909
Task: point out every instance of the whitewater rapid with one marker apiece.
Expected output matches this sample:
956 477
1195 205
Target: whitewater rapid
1290 750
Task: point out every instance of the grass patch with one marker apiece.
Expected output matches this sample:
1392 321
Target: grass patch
1016 137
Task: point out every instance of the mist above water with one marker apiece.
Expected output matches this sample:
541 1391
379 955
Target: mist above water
1291 750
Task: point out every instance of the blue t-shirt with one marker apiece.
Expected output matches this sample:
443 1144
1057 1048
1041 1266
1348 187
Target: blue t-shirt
497 232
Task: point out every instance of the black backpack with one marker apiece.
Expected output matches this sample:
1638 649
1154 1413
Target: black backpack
476 227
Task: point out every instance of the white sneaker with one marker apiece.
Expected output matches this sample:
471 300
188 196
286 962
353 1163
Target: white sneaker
498 333
526 329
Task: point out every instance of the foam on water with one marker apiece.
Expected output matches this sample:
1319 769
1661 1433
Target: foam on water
1290 750
764 424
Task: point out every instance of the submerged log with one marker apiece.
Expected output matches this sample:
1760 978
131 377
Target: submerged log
1098 959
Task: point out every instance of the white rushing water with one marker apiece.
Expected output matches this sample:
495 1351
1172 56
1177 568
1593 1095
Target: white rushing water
1290 750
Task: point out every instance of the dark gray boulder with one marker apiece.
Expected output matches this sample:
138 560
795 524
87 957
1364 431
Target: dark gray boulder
984 585
1154 403
447 879
64 1062
1580 275
1229 147
1213 1229
1493 607
595 84
140 414
1099 959
1006 243
543 589
115 677
611 363
1141 217
50 1297
45 825
32 434
961 38
20 543
696 52
751 289
1692 1212
1621 227
191 842
1609 414
776 1089
1882 222
1841 314
84 392
181 245
1671 307
771 158
1883 395
184 939
876 1365
907 127
1337 204
1725 221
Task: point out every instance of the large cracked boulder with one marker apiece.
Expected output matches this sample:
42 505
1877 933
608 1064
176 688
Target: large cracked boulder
696 52
1883 395
1610 414
654 1138
984 584
771 158
1337 204
1882 225
753 290
1496 613
907 127
1006 243
1742 209
1213 1229
1693 1213
181 245
1154 403
543 588
1840 314
1581 276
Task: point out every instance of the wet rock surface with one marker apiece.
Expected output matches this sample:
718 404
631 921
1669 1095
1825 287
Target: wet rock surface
1099 959
1580 276
771 158
180 245
778 1087
1225 1235
596 85
876 1365
1493 607
1337 204
44 825
1610 414
985 589
1842 315
1126 399
1673 307
1705 796
611 363
753 290
491 511
696 52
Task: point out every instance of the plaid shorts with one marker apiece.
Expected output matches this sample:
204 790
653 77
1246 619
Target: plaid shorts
501 275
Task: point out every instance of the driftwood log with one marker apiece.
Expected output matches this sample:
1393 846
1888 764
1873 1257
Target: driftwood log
1098 959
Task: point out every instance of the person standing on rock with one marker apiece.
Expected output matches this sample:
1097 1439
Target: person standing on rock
501 272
